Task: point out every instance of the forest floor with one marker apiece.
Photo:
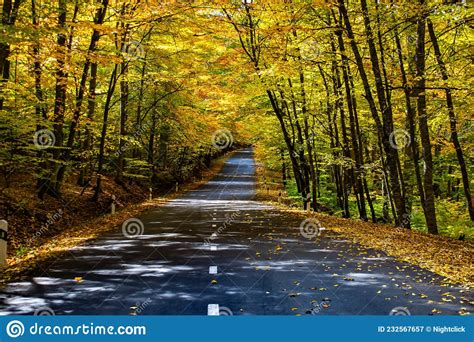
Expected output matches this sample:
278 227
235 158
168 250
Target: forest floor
40 230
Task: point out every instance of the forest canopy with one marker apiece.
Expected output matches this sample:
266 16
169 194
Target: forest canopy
362 107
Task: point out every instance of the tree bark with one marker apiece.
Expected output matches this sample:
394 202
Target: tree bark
430 211
452 119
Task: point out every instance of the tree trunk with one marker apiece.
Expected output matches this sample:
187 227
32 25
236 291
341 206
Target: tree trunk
387 119
60 97
452 120
110 92
430 212
9 15
98 20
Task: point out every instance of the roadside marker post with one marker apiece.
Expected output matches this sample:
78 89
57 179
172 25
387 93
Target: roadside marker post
3 242
151 194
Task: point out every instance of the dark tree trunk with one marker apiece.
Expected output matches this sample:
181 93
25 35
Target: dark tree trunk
452 120
98 20
350 99
430 212
87 144
9 15
110 92
387 119
411 122
60 99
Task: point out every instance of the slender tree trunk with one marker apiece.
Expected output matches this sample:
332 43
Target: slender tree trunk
87 144
430 212
138 121
279 115
110 92
40 109
383 140
98 20
387 119
60 99
123 122
354 138
9 15
411 122
333 142
305 191
452 120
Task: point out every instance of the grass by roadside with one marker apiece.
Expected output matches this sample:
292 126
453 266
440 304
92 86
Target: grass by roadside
447 257
39 256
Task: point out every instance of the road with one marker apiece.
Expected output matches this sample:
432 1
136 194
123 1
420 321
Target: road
216 250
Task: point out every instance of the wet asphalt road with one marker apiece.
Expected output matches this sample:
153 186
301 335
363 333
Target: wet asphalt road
264 266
